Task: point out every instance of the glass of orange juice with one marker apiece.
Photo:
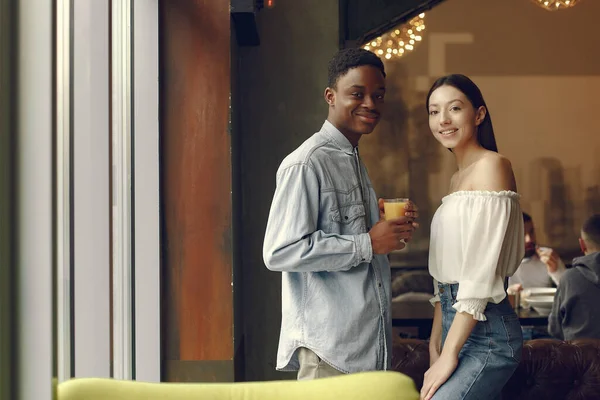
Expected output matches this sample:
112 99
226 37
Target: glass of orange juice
394 208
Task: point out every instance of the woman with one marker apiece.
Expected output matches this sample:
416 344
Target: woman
476 243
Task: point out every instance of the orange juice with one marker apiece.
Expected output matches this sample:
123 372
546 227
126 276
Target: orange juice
394 208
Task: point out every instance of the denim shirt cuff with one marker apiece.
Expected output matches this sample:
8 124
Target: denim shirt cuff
364 251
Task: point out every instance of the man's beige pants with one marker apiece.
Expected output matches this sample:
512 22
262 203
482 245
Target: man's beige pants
312 367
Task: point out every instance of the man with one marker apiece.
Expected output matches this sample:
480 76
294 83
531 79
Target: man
575 313
541 265
325 235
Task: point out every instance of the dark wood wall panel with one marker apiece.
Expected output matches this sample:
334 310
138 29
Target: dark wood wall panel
196 181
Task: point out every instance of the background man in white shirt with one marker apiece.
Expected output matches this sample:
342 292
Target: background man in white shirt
540 267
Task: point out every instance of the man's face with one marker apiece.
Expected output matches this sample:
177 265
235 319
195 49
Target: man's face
529 239
356 103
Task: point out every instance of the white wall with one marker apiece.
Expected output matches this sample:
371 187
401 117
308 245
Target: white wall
34 199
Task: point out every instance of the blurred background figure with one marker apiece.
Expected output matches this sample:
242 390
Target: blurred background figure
541 266
575 314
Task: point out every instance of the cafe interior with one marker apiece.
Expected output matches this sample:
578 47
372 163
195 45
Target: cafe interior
150 168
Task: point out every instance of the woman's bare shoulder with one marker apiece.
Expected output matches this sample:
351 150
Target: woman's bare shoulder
494 172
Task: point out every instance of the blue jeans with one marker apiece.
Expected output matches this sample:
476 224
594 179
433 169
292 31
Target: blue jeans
490 355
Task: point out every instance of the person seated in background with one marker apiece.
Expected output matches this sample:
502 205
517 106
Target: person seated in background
540 267
575 314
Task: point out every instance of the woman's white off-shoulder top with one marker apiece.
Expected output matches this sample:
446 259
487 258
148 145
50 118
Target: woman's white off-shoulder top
476 241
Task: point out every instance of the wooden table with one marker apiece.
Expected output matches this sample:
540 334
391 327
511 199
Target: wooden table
420 315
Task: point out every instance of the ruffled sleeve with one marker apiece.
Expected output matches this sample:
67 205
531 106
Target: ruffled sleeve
492 225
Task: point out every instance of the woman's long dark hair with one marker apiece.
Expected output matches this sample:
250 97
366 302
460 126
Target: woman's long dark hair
485 130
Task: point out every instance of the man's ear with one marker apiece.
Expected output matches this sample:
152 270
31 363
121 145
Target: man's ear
582 245
329 96
481 113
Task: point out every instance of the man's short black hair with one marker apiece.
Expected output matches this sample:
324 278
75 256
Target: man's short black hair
526 217
591 230
347 59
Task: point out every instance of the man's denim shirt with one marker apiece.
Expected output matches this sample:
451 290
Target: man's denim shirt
335 292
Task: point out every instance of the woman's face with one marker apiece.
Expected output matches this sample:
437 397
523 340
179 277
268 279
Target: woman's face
452 118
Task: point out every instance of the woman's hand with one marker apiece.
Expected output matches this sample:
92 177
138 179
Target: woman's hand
442 369
438 374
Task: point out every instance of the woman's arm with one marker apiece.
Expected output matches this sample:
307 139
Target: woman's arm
435 341
459 332
440 371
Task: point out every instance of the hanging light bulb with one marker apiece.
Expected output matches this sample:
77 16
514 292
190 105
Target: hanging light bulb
553 5
400 40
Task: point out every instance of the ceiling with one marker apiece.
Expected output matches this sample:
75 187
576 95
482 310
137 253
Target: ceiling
362 20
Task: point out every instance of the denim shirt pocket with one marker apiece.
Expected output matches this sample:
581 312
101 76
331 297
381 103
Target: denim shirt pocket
348 219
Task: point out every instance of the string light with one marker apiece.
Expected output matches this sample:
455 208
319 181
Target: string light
400 40
553 5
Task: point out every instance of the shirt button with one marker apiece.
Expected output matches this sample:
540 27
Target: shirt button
441 290
380 285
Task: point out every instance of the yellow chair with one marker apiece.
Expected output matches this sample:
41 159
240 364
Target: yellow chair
362 386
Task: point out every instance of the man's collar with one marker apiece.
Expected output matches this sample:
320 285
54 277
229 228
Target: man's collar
338 137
